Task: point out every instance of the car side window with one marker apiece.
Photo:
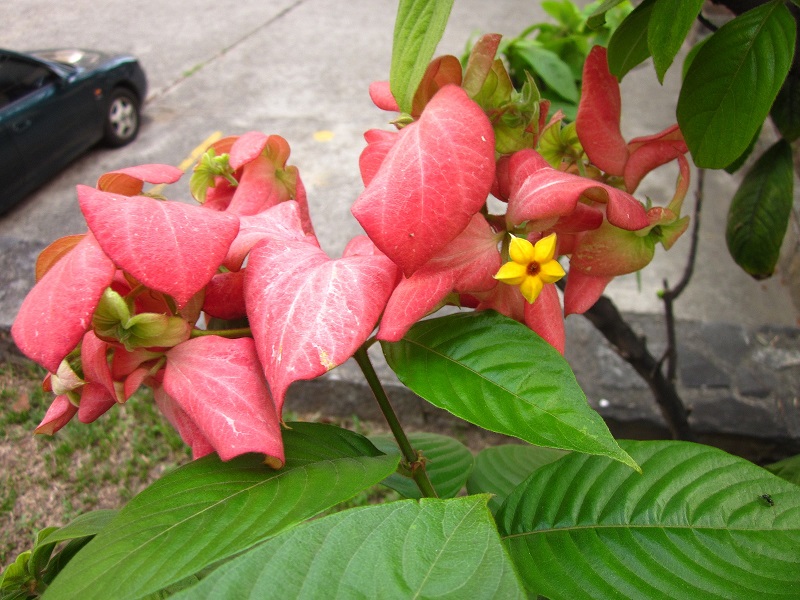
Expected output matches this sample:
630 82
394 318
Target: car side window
19 78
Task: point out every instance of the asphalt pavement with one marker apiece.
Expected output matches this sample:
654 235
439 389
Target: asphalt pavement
301 69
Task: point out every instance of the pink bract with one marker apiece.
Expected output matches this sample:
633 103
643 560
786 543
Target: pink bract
58 310
432 180
309 313
218 384
141 235
466 265
598 128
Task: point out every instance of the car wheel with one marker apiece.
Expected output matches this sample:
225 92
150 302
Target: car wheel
122 118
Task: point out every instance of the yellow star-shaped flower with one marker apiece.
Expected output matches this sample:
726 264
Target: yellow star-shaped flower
531 266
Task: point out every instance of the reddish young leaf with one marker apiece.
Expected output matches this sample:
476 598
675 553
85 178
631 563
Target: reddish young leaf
442 71
128 182
170 247
433 179
58 310
309 313
479 64
219 385
599 111
381 95
53 253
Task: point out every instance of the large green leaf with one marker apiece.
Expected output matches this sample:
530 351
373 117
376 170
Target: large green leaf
699 523
788 469
733 81
759 212
209 510
87 524
628 44
500 469
448 463
417 30
498 374
670 23
407 549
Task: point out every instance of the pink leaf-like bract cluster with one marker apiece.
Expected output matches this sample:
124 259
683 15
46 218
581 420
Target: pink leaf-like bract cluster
220 307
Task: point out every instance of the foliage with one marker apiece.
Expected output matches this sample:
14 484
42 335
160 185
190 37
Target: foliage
734 79
247 303
554 53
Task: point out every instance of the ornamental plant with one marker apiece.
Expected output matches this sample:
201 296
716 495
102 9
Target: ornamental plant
219 306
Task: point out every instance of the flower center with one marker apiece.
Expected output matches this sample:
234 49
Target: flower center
533 268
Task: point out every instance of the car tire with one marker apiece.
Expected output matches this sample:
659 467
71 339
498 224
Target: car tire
122 118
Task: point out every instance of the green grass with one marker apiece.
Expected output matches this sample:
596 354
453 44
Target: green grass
53 479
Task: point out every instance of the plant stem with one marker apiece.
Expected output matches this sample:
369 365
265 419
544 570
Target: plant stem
414 462
226 333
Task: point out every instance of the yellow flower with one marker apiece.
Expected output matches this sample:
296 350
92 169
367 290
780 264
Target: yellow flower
531 266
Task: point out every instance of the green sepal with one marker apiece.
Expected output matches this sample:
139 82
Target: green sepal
209 167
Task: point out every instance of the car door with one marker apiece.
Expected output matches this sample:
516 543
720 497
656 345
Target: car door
51 118
13 175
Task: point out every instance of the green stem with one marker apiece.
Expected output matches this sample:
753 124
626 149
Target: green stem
226 333
416 466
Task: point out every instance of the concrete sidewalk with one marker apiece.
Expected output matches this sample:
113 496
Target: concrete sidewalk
300 68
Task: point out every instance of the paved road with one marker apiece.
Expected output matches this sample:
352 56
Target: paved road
299 68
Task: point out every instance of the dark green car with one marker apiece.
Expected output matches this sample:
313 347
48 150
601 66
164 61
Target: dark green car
55 105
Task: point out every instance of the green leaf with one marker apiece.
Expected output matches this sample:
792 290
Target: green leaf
500 469
690 56
785 111
417 30
407 549
788 469
628 44
549 66
694 525
759 212
739 162
87 524
598 18
732 83
448 463
564 12
209 510
670 23
498 374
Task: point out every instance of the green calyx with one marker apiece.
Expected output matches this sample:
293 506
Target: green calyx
112 321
